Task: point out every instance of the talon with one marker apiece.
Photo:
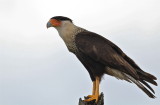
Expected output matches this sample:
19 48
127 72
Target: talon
91 98
95 92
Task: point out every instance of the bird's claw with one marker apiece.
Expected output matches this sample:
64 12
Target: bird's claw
91 98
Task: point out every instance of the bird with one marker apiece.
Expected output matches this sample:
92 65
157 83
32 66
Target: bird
100 56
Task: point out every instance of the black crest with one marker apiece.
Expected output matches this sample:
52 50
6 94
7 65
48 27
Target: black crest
61 18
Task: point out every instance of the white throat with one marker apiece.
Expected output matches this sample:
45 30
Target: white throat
67 32
66 29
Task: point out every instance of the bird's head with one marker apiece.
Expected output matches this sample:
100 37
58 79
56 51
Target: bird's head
58 21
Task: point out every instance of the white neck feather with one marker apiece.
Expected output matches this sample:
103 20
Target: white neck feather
67 32
67 28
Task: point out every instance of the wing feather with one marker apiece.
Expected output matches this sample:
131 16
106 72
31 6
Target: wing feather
107 53
102 50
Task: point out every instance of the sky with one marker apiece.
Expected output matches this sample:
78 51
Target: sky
37 69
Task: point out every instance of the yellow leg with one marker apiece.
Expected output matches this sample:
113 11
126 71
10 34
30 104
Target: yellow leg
97 88
95 92
94 88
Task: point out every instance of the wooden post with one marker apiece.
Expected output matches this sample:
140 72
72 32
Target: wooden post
100 101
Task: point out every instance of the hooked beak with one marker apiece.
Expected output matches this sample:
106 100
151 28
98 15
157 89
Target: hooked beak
49 25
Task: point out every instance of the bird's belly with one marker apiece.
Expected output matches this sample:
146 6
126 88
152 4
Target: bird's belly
116 73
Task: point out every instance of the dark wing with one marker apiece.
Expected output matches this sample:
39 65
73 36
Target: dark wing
102 50
142 74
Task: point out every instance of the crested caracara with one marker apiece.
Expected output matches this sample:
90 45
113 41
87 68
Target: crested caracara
100 56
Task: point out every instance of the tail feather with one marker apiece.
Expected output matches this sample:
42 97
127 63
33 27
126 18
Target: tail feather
142 87
146 84
147 77
148 80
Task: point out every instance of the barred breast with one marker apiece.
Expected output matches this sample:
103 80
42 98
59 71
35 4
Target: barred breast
70 40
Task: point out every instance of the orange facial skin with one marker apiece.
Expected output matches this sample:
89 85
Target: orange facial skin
55 22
